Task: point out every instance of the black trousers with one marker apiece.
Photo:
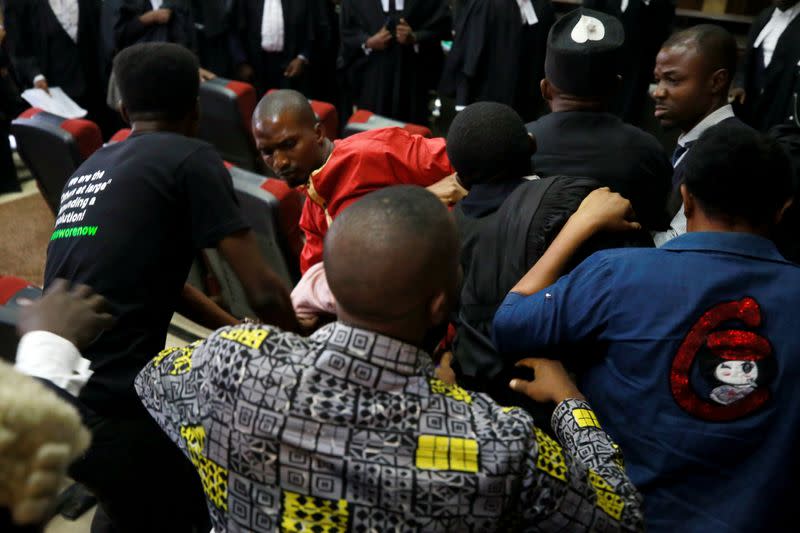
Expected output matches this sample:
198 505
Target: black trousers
142 480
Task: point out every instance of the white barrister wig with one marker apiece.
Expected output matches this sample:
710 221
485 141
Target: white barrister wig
40 435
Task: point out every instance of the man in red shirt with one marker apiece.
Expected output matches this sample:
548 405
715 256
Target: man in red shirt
337 173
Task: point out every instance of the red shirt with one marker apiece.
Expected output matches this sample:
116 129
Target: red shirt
359 165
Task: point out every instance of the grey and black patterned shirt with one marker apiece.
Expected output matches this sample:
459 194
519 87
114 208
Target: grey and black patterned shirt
348 430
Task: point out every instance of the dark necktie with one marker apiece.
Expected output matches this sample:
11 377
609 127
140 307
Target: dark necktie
677 175
392 6
679 151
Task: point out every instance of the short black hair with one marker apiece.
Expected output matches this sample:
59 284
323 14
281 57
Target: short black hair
157 81
389 248
737 173
487 140
716 44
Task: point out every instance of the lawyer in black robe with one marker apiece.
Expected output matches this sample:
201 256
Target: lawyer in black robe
647 25
214 22
269 67
497 58
770 91
394 82
323 73
38 44
129 29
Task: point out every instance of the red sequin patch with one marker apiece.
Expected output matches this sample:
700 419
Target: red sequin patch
728 344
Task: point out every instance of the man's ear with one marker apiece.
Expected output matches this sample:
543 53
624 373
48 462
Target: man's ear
547 90
439 308
319 132
532 140
689 204
720 81
124 112
782 212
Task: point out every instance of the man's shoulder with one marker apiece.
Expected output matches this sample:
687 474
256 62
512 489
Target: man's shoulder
160 145
377 140
265 338
617 260
735 122
638 138
613 129
385 146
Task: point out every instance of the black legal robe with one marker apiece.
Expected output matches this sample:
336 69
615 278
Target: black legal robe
214 22
771 90
497 58
298 32
394 82
38 44
324 81
646 29
129 30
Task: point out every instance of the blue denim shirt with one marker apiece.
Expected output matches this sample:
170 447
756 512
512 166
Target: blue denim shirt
696 376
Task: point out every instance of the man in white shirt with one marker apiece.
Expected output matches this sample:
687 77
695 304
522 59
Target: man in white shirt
767 83
693 72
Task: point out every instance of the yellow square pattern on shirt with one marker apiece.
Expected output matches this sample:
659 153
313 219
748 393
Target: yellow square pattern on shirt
585 418
447 453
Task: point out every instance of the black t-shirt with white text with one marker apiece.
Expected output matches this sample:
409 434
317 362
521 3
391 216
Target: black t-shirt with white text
130 221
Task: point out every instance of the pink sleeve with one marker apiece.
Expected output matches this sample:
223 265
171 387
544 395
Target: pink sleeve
312 296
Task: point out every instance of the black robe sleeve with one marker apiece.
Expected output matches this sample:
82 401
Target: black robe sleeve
749 60
20 38
467 52
353 32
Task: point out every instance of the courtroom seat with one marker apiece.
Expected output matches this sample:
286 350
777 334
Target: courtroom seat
363 120
272 210
226 112
53 147
12 290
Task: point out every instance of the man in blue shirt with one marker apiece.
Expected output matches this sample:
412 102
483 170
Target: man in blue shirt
696 342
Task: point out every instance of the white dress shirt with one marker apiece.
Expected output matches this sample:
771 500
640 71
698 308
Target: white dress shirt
156 4
45 355
398 4
528 13
768 39
66 11
272 30
678 224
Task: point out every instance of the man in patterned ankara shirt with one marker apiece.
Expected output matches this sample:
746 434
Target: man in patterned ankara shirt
349 430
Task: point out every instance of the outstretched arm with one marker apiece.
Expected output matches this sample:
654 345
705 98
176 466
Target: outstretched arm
580 484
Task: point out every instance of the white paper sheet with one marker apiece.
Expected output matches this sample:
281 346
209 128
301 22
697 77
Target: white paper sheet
57 102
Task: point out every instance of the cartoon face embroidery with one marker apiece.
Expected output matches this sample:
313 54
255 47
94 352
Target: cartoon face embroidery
739 379
735 363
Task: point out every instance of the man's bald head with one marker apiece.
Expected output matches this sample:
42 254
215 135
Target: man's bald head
390 255
285 101
714 44
289 136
